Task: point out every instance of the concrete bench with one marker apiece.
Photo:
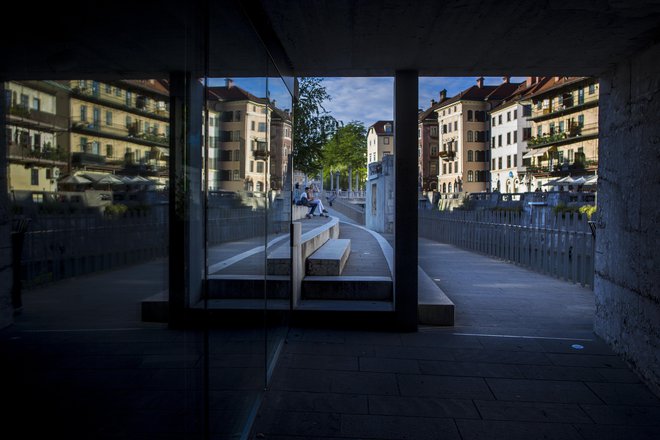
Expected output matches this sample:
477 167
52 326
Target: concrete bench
330 258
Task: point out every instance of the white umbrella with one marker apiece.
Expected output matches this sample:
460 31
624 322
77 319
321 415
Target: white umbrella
579 181
568 180
75 180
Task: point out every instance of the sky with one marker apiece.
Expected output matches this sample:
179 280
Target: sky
363 99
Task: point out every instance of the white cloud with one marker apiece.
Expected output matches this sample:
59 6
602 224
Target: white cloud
361 99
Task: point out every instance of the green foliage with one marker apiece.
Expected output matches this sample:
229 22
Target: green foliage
589 210
312 126
347 148
115 210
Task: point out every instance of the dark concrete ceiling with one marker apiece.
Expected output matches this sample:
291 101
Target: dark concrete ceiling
326 37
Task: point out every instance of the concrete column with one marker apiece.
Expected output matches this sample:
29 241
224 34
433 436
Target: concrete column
627 262
6 309
405 192
338 174
350 179
186 263
357 180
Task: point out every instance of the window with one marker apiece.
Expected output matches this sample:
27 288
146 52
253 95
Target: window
499 140
508 116
434 150
108 88
508 138
515 160
469 156
527 133
449 127
499 163
118 91
236 175
470 136
580 96
515 137
36 104
561 126
108 118
450 167
499 119
592 89
34 176
83 144
108 150
252 125
444 168
237 115
386 140
581 120
260 166
444 128
129 97
455 125
237 155
83 113
469 115
527 110
492 141
470 176
252 166
37 141
515 113
508 161
96 147
129 121
388 128
539 131
493 123
552 128
96 116
434 131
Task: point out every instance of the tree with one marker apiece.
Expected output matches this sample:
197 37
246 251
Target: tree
312 126
347 148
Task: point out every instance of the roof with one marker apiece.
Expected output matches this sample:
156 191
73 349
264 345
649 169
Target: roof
483 93
379 128
429 113
150 85
555 83
280 114
233 93
523 91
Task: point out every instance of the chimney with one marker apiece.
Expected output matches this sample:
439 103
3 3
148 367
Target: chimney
432 102
505 80
480 82
229 83
443 95
530 81
274 102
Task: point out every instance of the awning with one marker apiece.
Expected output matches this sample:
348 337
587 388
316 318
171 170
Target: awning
536 152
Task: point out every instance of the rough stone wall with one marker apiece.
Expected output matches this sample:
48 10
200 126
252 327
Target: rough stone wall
627 263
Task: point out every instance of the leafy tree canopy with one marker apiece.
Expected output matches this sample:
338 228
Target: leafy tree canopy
347 147
312 125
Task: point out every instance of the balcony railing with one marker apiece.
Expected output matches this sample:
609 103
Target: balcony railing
589 130
26 152
21 115
568 107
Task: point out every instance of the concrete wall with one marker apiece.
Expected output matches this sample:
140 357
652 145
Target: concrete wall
627 241
379 203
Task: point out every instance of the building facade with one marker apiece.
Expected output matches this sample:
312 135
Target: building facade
281 145
564 127
465 137
428 147
120 127
36 133
380 141
510 131
242 139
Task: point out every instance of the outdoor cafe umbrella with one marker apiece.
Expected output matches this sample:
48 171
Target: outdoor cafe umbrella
75 180
568 180
579 181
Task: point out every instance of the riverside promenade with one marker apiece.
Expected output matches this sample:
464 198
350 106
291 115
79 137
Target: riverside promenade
520 363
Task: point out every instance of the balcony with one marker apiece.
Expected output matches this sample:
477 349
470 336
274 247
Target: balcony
140 107
447 155
36 119
26 154
130 134
578 132
567 108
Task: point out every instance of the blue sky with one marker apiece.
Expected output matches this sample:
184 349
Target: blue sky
362 99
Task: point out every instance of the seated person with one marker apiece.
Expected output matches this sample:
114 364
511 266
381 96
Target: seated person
308 199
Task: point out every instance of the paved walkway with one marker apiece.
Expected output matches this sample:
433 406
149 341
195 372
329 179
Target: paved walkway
520 363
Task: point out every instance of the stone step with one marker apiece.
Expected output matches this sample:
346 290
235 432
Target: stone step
278 261
329 259
248 286
341 287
